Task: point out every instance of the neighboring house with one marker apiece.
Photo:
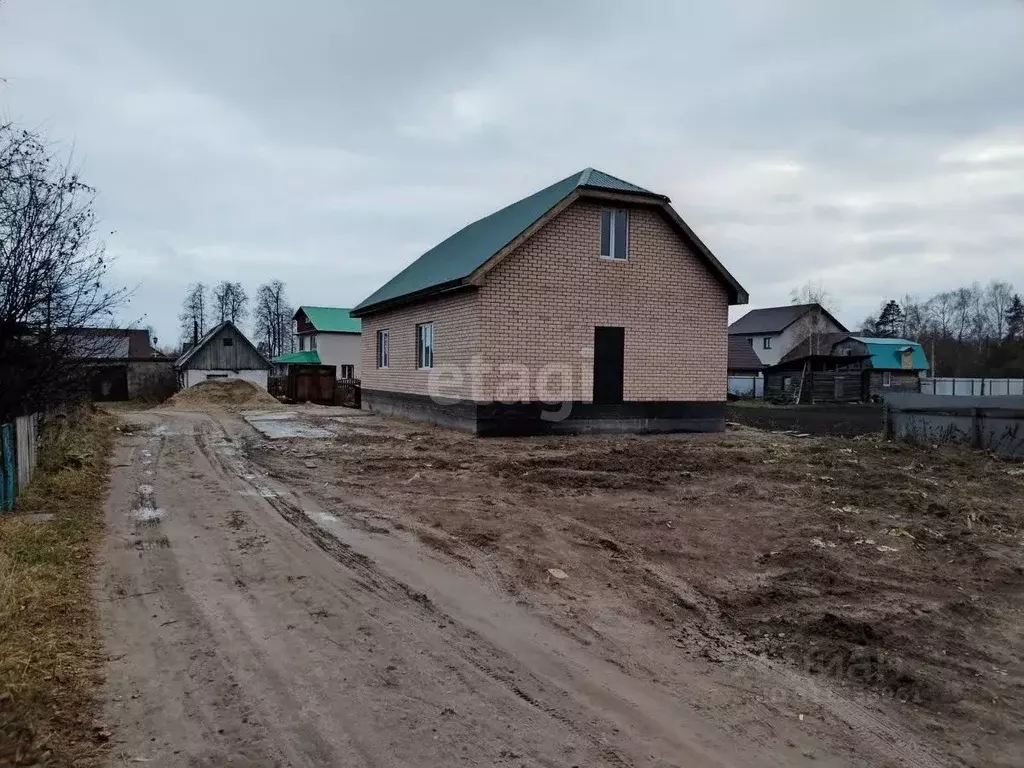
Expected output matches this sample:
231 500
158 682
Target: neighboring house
121 363
849 369
745 379
224 352
587 306
773 331
326 336
743 361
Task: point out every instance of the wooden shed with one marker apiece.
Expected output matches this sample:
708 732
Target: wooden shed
224 352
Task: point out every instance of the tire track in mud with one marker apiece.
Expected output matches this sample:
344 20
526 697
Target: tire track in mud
886 737
478 652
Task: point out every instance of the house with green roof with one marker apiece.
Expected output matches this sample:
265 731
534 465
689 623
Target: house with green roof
842 367
589 305
325 336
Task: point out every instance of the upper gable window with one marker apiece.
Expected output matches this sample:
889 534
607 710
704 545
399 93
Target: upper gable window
615 234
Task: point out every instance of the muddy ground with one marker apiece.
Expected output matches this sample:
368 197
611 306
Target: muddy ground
871 591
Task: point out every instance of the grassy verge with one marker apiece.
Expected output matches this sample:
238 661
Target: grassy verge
49 647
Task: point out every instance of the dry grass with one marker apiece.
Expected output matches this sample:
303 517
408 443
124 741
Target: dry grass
49 649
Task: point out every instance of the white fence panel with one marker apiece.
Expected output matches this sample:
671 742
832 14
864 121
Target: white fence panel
746 386
977 387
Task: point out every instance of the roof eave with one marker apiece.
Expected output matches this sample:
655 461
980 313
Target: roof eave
426 294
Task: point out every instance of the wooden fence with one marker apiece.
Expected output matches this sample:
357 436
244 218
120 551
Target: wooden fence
19 452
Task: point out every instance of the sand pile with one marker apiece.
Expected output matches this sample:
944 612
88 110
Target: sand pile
224 394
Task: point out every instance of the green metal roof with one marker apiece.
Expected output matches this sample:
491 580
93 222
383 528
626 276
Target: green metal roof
332 319
886 354
309 357
469 248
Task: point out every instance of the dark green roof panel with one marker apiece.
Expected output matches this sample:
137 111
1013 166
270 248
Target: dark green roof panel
309 357
469 248
332 319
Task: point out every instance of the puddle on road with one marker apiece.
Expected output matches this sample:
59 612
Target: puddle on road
146 514
277 426
147 511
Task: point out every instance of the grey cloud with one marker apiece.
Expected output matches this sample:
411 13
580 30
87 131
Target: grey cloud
330 143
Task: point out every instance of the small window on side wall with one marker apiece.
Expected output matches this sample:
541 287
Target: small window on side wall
228 341
348 372
382 348
425 345
615 235
886 378
767 342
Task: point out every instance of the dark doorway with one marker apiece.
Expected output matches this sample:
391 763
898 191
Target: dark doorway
109 382
609 357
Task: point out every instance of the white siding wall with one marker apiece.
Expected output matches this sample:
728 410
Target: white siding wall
259 378
339 349
785 341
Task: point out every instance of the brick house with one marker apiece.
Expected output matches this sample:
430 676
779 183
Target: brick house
587 306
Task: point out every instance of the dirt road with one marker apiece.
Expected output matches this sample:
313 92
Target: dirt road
248 624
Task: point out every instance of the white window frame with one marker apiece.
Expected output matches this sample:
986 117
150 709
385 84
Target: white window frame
348 369
312 342
766 342
383 351
425 345
611 255
302 343
886 378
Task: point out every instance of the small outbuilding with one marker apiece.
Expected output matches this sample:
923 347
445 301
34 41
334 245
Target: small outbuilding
846 369
120 363
224 352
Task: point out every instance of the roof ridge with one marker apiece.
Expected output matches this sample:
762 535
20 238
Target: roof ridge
585 177
619 179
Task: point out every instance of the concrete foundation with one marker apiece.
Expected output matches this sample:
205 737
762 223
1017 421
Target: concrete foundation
521 419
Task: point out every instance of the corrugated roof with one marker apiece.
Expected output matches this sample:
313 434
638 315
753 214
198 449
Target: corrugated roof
110 343
775 319
332 319
887 354
309 357
190 352
460 255
742 356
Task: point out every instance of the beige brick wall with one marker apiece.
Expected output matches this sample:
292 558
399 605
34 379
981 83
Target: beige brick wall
537 311
456 322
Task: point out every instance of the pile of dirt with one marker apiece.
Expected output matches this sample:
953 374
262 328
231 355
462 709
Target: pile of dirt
223 394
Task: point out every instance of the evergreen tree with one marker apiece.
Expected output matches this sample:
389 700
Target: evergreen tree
890 320
1015 319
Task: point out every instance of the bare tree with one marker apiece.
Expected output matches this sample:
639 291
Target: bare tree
996 301
813 326
195 312
230 302
272 318
915 317
52 275
940 311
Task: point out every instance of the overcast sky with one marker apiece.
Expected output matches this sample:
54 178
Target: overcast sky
877 146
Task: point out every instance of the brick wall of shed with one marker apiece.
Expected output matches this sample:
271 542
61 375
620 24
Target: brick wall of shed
539 307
